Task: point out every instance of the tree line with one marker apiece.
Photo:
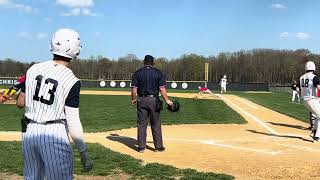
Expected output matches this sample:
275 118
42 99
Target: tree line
250 66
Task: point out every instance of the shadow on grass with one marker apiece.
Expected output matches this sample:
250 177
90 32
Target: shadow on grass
289 125
128 141
283 136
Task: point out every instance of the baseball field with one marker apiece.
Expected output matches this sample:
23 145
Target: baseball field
240 135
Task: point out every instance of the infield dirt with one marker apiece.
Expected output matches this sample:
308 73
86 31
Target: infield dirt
270 146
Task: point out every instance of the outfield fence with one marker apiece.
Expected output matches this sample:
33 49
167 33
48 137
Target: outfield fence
182 85
280 88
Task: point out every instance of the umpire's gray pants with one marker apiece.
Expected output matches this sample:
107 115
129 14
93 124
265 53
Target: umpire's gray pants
147 108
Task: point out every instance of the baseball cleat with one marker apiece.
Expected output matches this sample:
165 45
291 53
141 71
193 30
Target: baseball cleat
159 149
313 133
141 150
316 139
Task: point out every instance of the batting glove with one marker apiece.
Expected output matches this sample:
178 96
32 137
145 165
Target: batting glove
86 161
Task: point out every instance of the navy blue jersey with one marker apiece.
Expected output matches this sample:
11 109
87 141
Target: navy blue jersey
148 80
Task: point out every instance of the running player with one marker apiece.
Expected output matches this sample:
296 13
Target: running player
204 90
309 85
51 101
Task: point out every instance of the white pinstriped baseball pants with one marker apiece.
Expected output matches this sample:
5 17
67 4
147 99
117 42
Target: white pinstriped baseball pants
47 152
313 105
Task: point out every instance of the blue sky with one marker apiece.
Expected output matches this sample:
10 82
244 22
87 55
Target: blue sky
163 28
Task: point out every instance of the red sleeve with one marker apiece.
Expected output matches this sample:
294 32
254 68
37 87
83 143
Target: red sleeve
22 79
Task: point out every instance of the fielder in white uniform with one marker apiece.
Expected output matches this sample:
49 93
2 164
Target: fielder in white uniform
51 101
295 92
309 84
223 84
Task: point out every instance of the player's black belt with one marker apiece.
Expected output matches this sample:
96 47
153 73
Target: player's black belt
62 121
147 95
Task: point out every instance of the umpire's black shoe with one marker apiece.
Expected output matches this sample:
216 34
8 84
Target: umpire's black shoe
159 149
141 150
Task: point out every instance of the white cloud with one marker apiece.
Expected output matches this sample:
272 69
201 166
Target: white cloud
302 35
25 8
79 7
27 35
79 12
299 35
41 35
284 35
24 35
76 3
278 6
21 7
87 12
4 2
73 12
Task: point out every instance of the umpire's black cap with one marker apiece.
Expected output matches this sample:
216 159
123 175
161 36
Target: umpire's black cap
148 58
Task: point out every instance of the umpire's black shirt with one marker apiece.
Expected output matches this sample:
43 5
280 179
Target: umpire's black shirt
148 80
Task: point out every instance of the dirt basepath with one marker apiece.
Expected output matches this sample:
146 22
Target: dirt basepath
270 146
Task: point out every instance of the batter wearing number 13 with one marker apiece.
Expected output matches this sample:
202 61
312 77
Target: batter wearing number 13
51 101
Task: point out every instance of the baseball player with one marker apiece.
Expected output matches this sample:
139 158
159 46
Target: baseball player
312 117
295 91
309 84
204 90
223 84
51 101
13 90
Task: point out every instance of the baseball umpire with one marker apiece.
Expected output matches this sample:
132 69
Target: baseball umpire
51 101
147 82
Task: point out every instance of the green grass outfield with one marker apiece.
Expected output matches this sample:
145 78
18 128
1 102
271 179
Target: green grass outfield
280 102
103 113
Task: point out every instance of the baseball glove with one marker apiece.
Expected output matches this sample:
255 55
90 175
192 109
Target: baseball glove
175 107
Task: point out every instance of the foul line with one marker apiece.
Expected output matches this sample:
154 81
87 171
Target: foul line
251 116
215 143
254 107
242 148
